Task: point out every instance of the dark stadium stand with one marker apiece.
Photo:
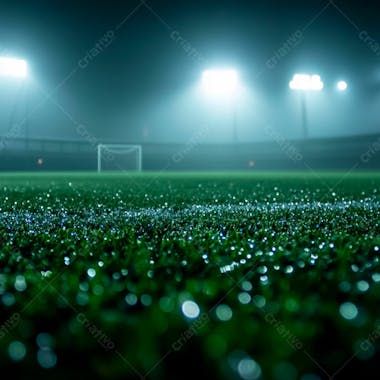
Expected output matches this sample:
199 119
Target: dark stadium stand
358 152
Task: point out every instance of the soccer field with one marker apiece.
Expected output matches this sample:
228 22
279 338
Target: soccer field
173 276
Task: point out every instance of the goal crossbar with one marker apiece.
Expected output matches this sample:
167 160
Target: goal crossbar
120 149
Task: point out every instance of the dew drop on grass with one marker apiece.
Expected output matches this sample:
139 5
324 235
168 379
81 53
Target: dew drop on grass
301 264
8 299
362 286
264 280
46 358
20 283
146 299
190 309
16 351
248 369
259 301
91 272
98 290
44 340
345 286
348 310
262 269
289 269
131 299
244 298
246 285
82 298
223 313
84 286
354 268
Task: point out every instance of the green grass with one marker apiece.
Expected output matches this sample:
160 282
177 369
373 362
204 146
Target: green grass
284 268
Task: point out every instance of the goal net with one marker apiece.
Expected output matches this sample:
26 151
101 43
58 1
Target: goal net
119 157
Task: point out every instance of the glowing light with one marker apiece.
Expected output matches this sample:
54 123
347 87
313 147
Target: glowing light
220 82
306 82
342 85
12 67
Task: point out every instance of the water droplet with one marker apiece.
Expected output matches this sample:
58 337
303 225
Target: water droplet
190 309
98 290
16 351
259 301
223 313
248 369
354 268
82 298
345 286
8 299
264 280
348 310
244 298
46 358
146 299
20 283
362 286
246 285
289 269
44 340
262 269
91 272
131 299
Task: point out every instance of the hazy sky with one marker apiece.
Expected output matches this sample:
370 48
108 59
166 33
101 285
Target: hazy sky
128 70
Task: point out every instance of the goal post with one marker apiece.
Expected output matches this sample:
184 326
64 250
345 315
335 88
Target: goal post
119 157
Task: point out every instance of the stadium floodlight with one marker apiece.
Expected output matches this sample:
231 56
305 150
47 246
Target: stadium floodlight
220 82
222 85
342 85
306 82
12 67
119 157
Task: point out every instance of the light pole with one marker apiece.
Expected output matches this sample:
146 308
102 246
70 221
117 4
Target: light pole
305 83
222 85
